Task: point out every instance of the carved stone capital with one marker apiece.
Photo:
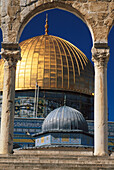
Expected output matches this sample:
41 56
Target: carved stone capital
10 53
100 56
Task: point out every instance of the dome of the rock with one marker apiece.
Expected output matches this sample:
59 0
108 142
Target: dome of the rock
54 63
66 119
58 68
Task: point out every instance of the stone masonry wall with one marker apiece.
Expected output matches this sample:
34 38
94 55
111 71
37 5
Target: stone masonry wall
97 14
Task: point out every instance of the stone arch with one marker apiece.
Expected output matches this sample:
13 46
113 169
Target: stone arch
48 6
110 27
73 23
109 19
1 33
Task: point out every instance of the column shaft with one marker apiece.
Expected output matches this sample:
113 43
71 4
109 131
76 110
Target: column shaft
10 53
100 114
7 119
100 59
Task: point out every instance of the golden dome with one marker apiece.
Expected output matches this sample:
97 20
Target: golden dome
54 63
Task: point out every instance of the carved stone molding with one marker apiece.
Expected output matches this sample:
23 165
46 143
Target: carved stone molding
10 53
100 56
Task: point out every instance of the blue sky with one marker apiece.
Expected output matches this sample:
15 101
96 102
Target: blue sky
71 28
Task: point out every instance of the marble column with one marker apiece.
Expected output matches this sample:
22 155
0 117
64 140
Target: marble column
11 54
100 57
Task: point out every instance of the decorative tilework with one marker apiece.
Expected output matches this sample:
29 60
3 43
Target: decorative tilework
55 138
48 101
34 126
65 139
42 139
76 141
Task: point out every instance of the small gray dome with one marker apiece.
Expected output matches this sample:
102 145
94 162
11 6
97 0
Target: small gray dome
64 118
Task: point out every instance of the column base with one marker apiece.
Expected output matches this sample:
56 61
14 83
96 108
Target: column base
5 153
101 154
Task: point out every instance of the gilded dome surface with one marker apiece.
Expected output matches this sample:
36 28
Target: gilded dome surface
64 118
53 63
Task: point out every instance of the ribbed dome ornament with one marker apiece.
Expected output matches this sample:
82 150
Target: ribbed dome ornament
46 26
64 119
